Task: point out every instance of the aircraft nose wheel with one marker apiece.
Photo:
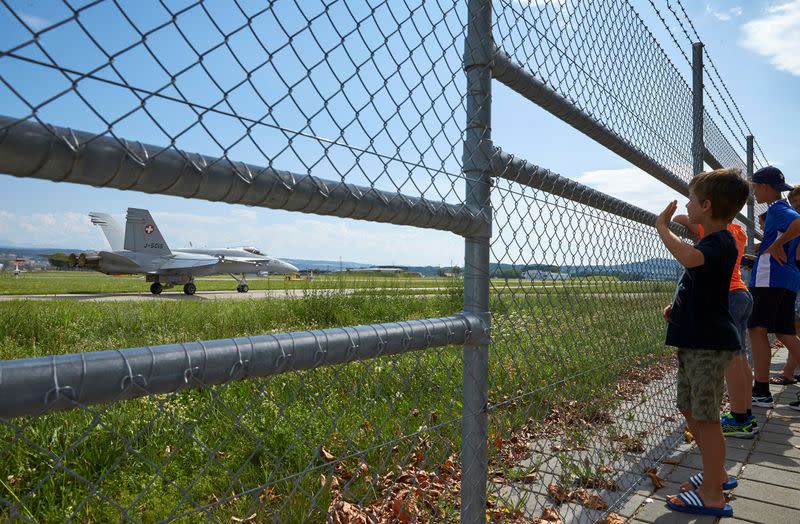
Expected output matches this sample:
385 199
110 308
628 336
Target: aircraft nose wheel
189 288
242 288
155 288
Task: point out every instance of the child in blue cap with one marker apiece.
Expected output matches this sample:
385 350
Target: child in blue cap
774 280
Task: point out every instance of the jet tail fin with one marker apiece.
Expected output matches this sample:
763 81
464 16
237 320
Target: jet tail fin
142 235
111 229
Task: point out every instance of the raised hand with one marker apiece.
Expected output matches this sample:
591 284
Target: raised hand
665 217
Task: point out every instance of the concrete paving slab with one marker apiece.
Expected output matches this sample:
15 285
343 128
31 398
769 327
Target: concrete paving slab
782 496
786 450
761 512
731 454
778 438
783 417
771 475
775 461
631 507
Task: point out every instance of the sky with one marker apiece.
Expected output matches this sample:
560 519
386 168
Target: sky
754 45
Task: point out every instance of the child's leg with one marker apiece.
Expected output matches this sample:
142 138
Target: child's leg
701 437
701 385
739 378
789 367
759 341
738 375
792 344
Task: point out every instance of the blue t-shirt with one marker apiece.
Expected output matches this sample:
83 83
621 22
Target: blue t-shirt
767 272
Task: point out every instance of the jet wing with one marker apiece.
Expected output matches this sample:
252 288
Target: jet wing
243 260
187 263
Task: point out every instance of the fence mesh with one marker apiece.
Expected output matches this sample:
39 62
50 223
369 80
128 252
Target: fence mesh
347 97
579 394
367 93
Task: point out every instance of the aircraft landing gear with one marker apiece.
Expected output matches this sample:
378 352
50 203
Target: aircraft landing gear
156 288
189 288
242 287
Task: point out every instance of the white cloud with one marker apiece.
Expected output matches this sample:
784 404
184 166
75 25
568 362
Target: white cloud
36 23
726 15
47 229
776 36
633 186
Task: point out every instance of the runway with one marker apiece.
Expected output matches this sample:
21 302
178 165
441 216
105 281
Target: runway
216 295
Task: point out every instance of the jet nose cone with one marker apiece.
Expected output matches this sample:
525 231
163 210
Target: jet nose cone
290 267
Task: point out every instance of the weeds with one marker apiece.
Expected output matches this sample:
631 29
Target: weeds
254 445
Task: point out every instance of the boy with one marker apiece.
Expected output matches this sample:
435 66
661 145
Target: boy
787 375
774 281
701 328
739 421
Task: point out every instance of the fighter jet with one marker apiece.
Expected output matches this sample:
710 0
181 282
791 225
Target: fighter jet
144 251
266 264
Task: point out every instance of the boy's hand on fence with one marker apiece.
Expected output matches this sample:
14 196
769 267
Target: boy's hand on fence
777 252
665 217
666 312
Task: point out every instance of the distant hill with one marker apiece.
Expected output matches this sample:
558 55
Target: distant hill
324 265
650 269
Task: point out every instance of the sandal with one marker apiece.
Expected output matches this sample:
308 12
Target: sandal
780 379
695 505
697 479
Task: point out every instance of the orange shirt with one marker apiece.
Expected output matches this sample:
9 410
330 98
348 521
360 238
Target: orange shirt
741 241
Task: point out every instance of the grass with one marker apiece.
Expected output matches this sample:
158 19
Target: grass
86 282
78 282
254 446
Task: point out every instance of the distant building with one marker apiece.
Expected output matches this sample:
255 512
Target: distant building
539 274
375 270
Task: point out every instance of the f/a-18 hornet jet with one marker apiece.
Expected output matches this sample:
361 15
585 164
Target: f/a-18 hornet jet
142 250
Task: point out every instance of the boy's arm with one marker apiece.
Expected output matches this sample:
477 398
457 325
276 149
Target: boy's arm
776 248
687 255
684 221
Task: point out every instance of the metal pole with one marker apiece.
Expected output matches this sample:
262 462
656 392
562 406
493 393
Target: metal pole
477 171
751 227
697 108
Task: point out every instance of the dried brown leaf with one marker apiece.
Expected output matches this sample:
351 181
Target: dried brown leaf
497 441
612 518
658 482
590 500
671 460
549 514
268 495
559 493
325 454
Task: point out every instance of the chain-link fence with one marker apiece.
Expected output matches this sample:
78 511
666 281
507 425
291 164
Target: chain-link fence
378 111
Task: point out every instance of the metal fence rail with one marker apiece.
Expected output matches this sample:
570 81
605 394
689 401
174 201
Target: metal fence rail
561 396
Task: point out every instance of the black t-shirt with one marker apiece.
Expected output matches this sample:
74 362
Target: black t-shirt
700 317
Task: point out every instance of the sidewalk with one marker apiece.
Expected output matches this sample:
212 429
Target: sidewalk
767 467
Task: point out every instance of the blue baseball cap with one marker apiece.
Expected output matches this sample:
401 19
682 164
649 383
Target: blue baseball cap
773 176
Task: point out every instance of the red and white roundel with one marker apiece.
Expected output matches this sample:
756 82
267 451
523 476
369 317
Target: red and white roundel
149 228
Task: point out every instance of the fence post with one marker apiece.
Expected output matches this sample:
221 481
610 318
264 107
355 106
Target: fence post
751 228
697 108
478 50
